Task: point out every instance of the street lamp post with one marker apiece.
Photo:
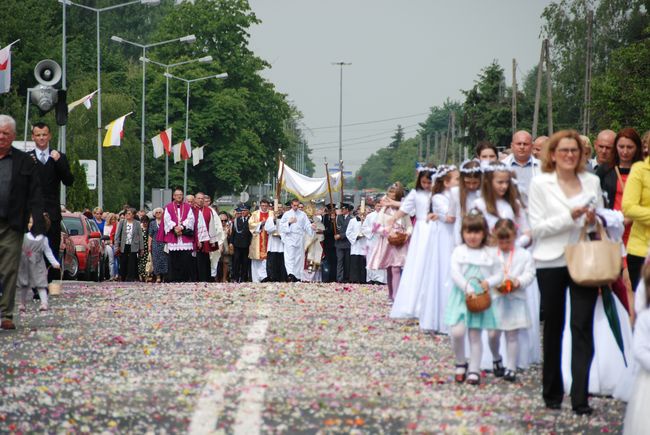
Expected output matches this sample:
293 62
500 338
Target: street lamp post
98 11
341 65
187 109
144 47
204 59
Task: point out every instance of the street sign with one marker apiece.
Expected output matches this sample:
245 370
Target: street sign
90 167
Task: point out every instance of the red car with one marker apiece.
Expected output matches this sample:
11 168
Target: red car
88 245
68 255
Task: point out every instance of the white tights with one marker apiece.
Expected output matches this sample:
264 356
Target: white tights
42 293
457 334
512 347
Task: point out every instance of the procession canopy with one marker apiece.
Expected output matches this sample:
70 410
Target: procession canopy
307 188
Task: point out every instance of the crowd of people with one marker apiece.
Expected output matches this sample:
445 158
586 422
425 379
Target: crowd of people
475 251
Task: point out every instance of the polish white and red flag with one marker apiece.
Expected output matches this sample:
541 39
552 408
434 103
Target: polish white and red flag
5 69
162 143
182 151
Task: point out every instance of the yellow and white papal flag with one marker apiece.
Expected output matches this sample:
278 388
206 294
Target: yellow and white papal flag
115 132
197 155
86 101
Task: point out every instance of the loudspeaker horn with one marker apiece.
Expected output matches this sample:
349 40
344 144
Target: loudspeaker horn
47 72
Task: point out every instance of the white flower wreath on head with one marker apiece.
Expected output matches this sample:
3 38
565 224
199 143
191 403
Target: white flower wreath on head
495 167
425 168
475 170
444 170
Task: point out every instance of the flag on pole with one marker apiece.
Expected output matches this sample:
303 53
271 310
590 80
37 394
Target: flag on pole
115 132
162 143
177 152
5 69
182 151
186 149
197 155
86 101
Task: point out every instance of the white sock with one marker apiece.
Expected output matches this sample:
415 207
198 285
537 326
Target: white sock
457 335
494 340
23 295
512 344
42 293
475 350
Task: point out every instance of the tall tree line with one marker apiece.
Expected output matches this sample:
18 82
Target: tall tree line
241 120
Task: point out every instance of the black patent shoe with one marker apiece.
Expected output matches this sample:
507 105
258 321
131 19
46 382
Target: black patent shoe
498 369
554 405
510 376
583 410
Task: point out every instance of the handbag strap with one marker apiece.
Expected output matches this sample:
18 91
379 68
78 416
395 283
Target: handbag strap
620 179
599 229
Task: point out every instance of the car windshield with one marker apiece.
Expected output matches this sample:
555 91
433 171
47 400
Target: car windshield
74 226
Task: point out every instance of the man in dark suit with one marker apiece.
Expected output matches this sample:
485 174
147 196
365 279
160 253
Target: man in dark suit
53 169
241 240
20 197
343 244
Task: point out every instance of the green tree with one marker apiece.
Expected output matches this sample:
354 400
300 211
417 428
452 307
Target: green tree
487 110
620 95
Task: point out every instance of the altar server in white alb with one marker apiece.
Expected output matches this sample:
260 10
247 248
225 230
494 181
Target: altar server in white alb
358 250
293 227
275 270
373 276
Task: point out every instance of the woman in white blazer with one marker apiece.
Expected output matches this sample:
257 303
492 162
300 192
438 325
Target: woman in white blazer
561 199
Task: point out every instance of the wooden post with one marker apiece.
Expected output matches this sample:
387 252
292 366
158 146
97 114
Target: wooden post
549 88
329 190
428 149
278 187
538 92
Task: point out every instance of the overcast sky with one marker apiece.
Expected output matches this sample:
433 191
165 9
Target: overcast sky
406 55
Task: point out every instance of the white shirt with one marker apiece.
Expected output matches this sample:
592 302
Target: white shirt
358 242
43 155
294 234
275 241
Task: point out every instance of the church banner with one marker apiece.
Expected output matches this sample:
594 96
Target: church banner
307 188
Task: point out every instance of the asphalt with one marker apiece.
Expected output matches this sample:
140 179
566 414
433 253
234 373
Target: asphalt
282 358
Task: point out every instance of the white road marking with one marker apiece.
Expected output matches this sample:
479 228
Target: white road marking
210 405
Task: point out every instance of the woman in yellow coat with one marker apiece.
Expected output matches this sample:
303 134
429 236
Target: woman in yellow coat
636 206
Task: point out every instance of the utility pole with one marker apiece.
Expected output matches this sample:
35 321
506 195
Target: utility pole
428 147
514 95
538 92
453 132
420 150
437 146
341 65
549 88
586 111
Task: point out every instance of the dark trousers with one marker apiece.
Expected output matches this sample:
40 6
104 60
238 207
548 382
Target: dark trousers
330 257
54 240
552 284
128 264
634 266
275 270
203 267
358 269
343 264
11 242
180 263
240 265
